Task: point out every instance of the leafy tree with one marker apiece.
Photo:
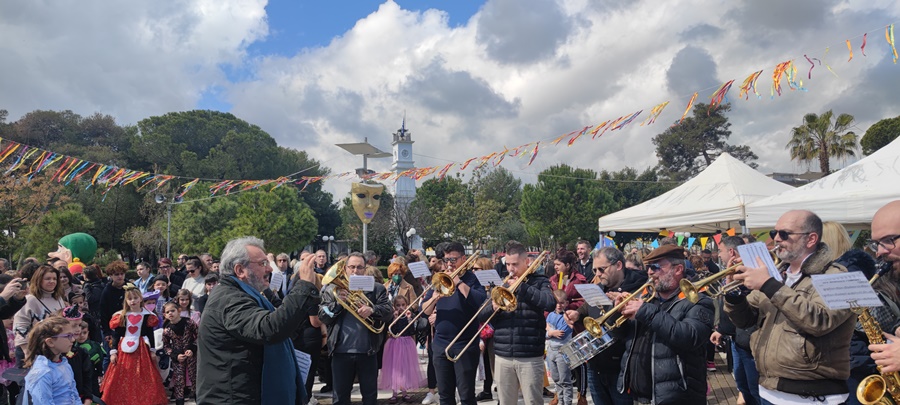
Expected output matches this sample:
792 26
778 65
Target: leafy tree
22 204
880 134
42 128
564 203
687 148
820 137
630 188
43 236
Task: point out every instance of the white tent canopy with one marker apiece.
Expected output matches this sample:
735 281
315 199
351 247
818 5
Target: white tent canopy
712 200
849 196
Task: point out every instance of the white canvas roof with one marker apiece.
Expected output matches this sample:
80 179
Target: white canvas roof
849 196
712 200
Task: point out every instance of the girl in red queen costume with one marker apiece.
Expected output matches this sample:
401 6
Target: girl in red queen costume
132 377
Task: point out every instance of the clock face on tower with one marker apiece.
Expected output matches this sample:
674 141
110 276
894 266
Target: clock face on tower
404 153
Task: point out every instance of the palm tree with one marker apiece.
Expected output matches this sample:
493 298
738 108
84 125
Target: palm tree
819 138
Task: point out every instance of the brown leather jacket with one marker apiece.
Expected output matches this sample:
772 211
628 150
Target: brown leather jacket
801 346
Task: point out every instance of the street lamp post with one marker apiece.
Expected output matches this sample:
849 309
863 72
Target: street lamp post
160 199
328 239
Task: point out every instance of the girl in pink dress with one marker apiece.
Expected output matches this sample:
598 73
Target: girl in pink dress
400 364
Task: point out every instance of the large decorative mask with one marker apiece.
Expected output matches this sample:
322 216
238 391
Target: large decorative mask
366 200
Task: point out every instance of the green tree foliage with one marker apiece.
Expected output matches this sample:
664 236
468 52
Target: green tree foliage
630 188
279 217
565 202
823 137
687 148
880 134
42 237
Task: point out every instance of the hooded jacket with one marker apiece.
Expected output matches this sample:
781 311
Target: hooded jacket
801 347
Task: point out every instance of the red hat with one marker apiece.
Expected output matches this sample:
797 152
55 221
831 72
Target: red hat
165 261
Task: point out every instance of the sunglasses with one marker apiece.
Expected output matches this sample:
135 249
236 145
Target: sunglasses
653 267
784 235
451 259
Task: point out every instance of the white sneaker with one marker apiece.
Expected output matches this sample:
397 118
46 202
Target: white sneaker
313 401
429 399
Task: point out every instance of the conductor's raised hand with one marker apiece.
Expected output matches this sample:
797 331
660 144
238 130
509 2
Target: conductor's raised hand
307 272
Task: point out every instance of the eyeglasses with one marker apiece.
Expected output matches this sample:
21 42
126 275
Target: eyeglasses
602 269
653 267
452 259
66 336
281 260
261 263
886 242
355 267
784 235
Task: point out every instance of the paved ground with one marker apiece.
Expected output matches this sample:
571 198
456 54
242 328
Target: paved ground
722 389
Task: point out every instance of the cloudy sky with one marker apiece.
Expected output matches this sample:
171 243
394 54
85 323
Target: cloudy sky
472 77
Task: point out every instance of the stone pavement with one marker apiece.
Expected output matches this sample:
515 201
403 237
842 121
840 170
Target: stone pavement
722 389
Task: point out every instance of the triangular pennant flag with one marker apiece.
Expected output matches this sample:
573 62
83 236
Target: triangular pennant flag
655 243
718 238
703 240
680 238
671 234
664 233
730 232
691 241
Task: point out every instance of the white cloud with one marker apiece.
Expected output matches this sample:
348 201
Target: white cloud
466 90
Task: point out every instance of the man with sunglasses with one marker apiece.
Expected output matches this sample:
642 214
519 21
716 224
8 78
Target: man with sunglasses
665 337
802 348
450 316
885 243
603 369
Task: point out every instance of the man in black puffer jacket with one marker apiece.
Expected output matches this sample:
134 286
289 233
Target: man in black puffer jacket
665 339
519 335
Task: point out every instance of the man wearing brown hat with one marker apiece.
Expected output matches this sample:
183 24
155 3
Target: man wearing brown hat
665 338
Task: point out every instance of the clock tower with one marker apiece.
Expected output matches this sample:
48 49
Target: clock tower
405 187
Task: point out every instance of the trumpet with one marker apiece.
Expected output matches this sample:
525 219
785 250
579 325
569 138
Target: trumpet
504 297
442 284
692 290
598 326
355 299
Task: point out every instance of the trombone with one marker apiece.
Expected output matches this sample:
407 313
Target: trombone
598 326
504 297
692 290
442 284
355 299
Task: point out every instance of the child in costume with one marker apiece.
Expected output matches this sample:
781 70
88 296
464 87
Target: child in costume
180 343
92 347
50 379
400 365
80 361
132 377
161 285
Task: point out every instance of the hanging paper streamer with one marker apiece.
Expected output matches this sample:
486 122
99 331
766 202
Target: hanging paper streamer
750 84
863 47
826 63
627 121
654 113
791 74
444 171
574 138
534 153
889 35
811 66
598 128
556 141
717 97
776 77
850 48
688 109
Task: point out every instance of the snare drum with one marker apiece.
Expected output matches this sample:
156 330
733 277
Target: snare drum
584 347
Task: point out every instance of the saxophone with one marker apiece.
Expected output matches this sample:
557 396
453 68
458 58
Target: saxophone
881 389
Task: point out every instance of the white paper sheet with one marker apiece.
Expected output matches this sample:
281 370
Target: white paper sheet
277 281
362 283
488 277
304 361
419 269
751 251
593 294
841 290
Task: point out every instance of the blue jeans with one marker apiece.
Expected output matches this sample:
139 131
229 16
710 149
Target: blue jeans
603 389
746 378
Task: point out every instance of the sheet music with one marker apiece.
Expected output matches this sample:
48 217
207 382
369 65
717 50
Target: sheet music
751 251
277 280
362 283
419 269
593 294
487 277
839 290
304 361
